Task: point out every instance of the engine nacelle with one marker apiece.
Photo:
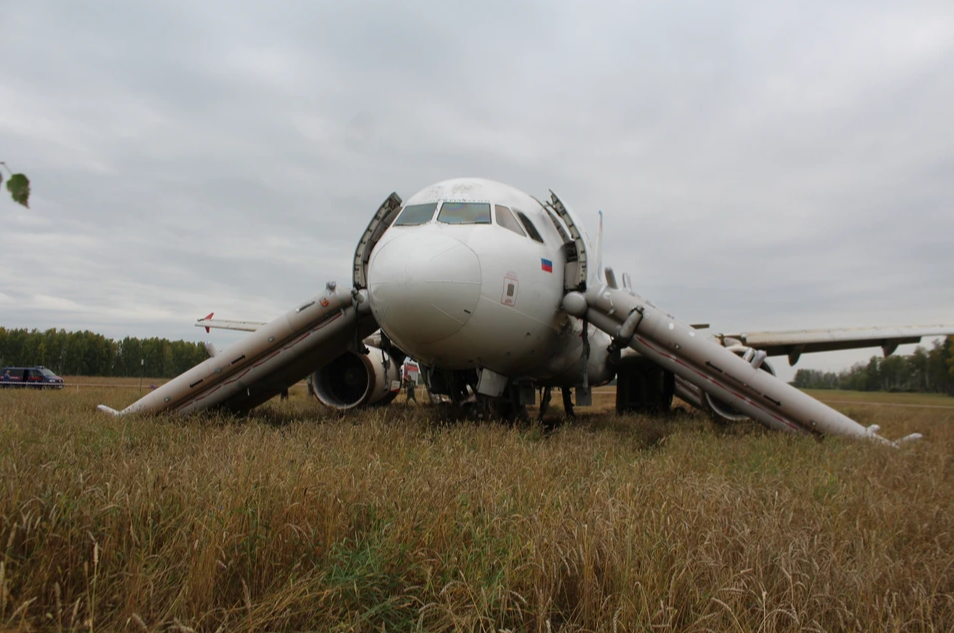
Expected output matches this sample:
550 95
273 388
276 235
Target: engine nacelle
720 408
355 380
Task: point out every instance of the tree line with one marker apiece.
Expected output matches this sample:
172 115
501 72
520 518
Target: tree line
924 371
90 354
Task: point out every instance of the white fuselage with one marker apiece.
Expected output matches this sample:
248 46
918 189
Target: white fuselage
471 276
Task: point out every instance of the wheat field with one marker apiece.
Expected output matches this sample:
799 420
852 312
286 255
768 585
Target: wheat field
399 519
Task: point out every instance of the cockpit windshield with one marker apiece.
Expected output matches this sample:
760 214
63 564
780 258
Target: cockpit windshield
464 213
414 214
531 229
505 219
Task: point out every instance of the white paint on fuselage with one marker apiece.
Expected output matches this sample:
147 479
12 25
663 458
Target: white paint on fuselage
439 291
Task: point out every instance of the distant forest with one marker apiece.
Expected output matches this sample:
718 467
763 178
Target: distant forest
924 371
88 354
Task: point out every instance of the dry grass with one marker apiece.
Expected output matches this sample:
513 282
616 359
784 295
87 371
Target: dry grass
918 399
395 520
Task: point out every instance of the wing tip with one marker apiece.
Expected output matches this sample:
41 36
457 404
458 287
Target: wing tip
206 318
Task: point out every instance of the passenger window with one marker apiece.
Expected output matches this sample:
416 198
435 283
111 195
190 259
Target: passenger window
505 219
414 214
531 230
464 213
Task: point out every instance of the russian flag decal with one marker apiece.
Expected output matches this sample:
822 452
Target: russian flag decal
546 265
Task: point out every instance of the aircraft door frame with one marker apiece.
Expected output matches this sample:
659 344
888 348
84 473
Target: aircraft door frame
383 219
574 278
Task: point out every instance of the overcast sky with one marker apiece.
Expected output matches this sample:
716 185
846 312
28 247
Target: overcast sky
760 165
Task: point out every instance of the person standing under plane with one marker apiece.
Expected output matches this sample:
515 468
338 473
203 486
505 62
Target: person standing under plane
408 385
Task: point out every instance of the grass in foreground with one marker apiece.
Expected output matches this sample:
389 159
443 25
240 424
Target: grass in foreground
392 519
917 399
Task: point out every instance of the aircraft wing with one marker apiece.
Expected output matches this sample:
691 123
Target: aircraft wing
224 324
794 343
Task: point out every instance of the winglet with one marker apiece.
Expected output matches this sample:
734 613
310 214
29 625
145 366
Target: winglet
206 318
109 410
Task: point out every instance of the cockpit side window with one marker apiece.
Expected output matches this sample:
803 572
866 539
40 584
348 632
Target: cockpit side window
505 219
464 213
527 224
414 214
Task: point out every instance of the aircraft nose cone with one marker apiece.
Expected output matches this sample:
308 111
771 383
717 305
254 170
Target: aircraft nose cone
423 287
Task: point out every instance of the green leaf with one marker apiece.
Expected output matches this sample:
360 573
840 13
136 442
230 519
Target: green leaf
19 188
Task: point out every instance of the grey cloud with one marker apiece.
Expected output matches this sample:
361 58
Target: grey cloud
760 166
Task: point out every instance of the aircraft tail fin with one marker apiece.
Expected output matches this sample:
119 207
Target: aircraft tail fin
599 249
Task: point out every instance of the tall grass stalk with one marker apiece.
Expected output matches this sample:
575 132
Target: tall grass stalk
396 519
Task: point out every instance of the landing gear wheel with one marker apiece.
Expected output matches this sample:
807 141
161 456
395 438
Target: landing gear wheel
644 387
506 408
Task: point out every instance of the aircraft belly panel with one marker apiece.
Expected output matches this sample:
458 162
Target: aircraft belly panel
496 337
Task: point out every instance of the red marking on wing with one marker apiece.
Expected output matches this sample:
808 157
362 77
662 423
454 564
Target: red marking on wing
210 392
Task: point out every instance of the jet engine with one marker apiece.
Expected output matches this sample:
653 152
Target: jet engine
355 380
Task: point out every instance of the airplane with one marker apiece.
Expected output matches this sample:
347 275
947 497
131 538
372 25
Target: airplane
497 294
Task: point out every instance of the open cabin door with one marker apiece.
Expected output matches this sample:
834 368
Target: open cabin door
574 242
380 223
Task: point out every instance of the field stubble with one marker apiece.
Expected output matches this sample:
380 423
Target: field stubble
297 518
